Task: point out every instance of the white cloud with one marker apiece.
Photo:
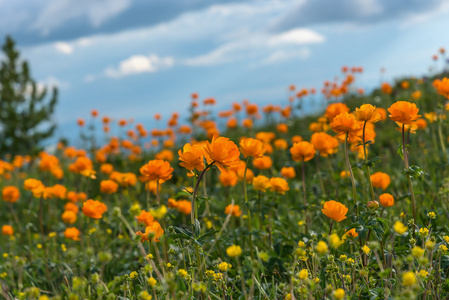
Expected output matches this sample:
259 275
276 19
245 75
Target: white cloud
63 47
137 64
257 43
297 36
59 12
282 55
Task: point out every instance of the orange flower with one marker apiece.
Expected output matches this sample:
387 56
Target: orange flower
382 112
278 184
157 170
261 183
334 210
247 123
346 123
252 147
280 144
296 139
94 209
7 230
263 163
386 200
153 231
165 154
233 210
265 137
81 164
352 233
223 152
367 113
145 217
228 178
386 88
59 191
191 157
442 86
288 172
335 109
71 206
344 174
31 184
184 207
324 143
108 186
10 194
403 112
282 128
72 233
380 180
249 174
302 151
68 217
72 196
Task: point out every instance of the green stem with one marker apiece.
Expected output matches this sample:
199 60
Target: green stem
412 194
440 135
194 213
247 207
304 195
348 165
367 167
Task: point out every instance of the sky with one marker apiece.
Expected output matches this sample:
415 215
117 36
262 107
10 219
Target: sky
135 58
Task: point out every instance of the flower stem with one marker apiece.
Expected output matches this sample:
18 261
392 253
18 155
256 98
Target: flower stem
304 195
194 212
348 165
367 167
412 194
247 207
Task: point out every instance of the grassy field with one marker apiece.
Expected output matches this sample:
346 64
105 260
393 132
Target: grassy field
350 204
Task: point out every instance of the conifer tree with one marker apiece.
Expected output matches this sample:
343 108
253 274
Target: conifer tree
25 109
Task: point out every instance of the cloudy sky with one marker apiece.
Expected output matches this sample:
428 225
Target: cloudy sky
133 58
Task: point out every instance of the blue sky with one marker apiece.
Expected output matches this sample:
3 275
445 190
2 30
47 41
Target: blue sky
132 59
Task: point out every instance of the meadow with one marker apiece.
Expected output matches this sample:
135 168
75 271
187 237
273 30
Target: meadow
348 204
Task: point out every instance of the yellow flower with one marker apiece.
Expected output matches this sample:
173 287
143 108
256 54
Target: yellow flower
366 249
446 238
417 252
408 279
152 282
133 275
343 258
316 280
432 215
351 261
335 241
423 273
224 266
264 256
399 227
321 247
443 248
303 274
424 231
234 251
160 212
430 245
301 244
182 273
339 294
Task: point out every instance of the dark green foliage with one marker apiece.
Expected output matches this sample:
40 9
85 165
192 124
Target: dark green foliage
25 112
